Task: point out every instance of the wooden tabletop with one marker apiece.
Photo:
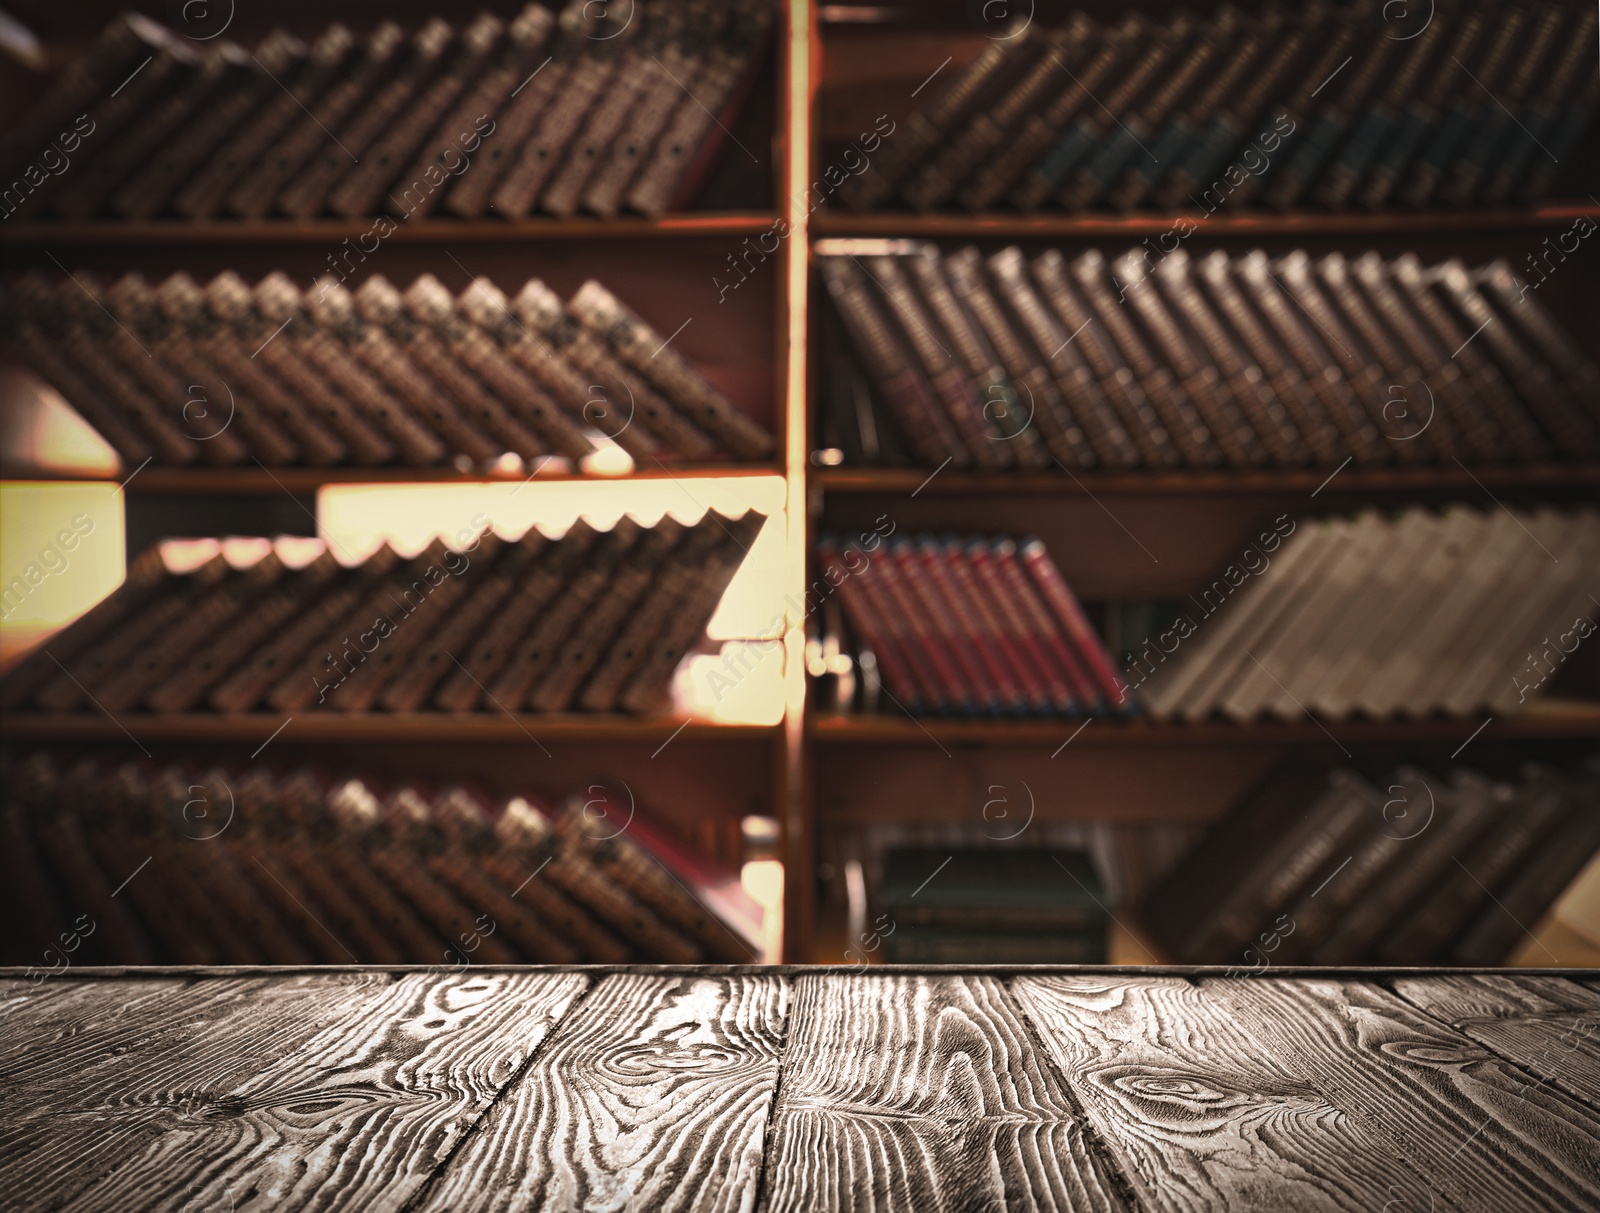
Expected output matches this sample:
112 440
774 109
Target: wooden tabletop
726 1088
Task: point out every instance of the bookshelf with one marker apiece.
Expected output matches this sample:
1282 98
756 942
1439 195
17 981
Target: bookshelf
814 771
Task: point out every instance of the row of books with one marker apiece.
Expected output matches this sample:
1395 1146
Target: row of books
991 905
1162 359
593 621
1320 104
602 108
976 626
1424 868
1453 611
227 372
267 866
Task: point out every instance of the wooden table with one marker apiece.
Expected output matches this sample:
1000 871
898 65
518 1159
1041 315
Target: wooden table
724 1088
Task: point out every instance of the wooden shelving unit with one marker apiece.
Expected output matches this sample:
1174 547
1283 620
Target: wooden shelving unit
815 770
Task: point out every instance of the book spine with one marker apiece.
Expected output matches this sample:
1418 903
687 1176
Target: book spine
904 389
360 134
525 179
409 123
1012 653
947 632
1009 589
523 111
591 640
981 633
202 195
916 691
1064 606
642 348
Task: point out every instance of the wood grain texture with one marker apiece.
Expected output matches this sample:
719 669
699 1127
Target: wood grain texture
305 1092
1547 1025
1469 1123
922 1093
654 1094
1195 1113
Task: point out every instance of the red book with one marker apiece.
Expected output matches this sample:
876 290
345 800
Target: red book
1005 647
997 560
874 632
952 630
1064 606
922 644
979 629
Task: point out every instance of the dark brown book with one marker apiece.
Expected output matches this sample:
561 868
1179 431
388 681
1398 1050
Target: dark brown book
590 641
488 307
594 72
210 410
922 334
1534 812
306 135
1249 867
292 646
673 584
924 129
360 134
644 349
274 606
1001 404
280 303
895 373
32 325
249 80
429 303
545 643
232 300
1074 378
146 578
617 395
681 61
251 387
684 150
334 309
1243 377
1083 337
288 100
1464 810
649 686
466 687
122 47
1041 401
411 119
446 153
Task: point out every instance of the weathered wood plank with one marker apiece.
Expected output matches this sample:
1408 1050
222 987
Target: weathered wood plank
1196 1114
1547 1025
1467 1121
654 1094
923 1093
290 1092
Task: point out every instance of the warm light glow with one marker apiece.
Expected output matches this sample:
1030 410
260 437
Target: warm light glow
355 519
744 685
61 551
763 882
40 431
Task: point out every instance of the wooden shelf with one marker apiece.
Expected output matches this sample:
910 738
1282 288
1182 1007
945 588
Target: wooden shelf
251 481
1218 483
341 728
1569 721
1064 226
686 225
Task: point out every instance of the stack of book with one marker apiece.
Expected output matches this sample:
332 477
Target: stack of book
593 621
602 109
230 373
260 866
1450 611
1314 869
969 627
995 905
1317 104
1159 359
